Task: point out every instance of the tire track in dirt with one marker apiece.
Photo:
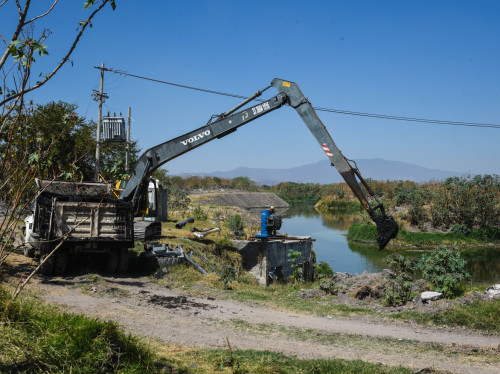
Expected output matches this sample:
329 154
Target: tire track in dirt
151 311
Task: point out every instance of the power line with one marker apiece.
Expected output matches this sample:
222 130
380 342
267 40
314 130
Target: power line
328 110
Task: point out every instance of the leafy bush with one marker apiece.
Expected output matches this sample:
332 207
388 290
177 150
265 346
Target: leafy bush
200 214
227 275
399 290
294 256
460 229
445 269
235 225
322 270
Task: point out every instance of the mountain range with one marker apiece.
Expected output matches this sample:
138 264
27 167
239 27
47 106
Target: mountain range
323 173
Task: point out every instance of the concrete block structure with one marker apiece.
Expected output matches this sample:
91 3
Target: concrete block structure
262 257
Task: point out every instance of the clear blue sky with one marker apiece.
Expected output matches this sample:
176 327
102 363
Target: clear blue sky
429 59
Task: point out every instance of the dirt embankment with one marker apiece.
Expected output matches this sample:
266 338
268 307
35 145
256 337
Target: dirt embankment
166 315
172 316
240 199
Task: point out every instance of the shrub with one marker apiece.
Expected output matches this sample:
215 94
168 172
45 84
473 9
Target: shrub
445 269
460 229
322 270
235 225
200 214
227 275
399 289
294 256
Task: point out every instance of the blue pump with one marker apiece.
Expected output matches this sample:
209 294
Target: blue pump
269 224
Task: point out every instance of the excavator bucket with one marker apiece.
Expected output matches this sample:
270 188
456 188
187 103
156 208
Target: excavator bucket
387 229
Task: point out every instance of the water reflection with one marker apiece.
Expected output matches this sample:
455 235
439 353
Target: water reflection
332 247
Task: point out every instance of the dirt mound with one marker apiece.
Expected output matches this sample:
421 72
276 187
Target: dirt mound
369 290
245 200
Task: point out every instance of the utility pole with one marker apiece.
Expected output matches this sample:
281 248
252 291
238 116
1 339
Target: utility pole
127 154
99 96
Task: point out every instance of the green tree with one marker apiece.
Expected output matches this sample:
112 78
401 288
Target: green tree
113 157
71 156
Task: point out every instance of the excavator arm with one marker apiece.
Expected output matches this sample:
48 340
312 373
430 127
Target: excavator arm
386 226
228 122
223 124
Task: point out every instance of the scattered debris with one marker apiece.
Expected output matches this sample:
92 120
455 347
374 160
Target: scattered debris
180 225
493 291
202 233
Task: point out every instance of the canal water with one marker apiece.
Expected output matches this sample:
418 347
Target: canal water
331 245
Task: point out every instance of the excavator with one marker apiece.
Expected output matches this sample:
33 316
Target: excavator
93 218
139 184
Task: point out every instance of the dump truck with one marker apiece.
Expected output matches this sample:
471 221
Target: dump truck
86 217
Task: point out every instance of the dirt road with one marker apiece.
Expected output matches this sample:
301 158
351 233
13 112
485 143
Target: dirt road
152 311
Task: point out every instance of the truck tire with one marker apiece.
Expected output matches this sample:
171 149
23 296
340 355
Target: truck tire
29 251
48 267
123 261
60 261
112 261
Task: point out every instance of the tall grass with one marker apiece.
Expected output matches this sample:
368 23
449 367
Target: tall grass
263 362
363 232
484 316
37 338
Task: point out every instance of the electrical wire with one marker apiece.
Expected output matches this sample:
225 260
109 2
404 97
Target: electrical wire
328 110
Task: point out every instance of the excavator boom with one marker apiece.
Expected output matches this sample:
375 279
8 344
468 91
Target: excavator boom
386 226
228 122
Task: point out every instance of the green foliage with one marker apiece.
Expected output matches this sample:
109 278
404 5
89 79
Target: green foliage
445 269
460 229
199 214
38 338
368 233
177 194
479 315
469 201
361 232
290 191
113 157
399 290
415 197
227 275
323 270
68 144
244 184
235 225
331 204
294 257
23 51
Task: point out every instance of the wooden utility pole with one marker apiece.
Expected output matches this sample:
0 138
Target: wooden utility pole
100 96
127 154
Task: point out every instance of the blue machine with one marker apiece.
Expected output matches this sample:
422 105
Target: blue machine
269 224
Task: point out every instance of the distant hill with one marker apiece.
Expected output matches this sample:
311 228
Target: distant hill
321 172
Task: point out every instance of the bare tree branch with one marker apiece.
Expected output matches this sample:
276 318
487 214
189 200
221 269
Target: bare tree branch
63 61
20 25
44 14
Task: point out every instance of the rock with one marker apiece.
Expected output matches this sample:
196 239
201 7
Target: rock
420 285
493 292
310 294
328 286
430 296
389 273
363 292
368 291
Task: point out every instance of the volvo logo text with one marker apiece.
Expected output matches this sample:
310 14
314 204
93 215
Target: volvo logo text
196 137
